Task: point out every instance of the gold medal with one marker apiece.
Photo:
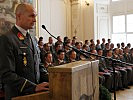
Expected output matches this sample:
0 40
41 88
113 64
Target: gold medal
24 59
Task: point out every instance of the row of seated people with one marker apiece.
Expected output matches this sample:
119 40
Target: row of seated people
53 54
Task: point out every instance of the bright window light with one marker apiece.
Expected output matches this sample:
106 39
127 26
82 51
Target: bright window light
130 23
119 24
118 38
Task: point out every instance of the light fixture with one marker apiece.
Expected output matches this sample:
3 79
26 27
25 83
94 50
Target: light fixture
87 3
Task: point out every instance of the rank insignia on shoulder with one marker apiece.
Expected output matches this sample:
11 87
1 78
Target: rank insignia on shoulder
20 36
24 59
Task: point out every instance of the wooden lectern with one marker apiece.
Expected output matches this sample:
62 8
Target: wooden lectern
74 81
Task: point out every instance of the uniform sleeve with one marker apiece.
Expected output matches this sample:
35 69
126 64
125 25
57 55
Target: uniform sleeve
7 69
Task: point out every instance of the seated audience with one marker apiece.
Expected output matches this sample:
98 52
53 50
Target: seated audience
103 44
46 48
107 47
118 45
51 44
98 46
109 65
109 41
126 54
103 71
129 45
60 53
111 46
72 56
60 58
78 46
57 48
131 55
67 50
122 45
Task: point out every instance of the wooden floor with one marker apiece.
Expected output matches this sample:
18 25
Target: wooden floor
126 94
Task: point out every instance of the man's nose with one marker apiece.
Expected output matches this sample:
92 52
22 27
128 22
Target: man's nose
34 19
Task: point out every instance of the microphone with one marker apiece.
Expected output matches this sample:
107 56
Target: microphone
43 26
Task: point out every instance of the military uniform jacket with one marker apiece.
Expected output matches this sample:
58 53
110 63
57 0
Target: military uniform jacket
19 64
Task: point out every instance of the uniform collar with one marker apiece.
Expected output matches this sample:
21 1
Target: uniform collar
23 31
48 63
72 60
60 61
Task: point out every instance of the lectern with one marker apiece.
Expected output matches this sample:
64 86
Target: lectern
73 81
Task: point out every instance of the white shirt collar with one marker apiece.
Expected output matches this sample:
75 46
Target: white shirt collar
23 31
48 63
61 61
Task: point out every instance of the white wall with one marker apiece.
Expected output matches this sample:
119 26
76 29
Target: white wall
102 19
121 7
66 18
89 20
83 19
56 16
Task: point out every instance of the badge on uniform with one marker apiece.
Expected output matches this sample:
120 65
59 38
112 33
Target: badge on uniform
24 59
20 36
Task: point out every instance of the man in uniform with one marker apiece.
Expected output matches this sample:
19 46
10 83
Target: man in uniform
19 56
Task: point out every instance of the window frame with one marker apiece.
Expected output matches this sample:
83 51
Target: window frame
126 33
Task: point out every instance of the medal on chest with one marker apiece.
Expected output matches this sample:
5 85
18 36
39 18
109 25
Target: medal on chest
24 59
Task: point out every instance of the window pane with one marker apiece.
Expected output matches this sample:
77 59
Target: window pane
118 38
118 24
130 23
130 39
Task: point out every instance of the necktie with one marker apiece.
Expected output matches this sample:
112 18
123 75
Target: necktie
28 39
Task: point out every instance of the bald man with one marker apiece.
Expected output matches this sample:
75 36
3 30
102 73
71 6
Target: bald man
19 57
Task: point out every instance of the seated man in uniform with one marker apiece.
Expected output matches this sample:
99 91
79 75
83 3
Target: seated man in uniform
48 60
72 56
118 82
60 58
103 71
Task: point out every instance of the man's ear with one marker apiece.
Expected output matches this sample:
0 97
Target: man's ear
18 16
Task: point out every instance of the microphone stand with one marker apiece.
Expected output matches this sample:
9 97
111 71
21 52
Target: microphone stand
114 61
75 49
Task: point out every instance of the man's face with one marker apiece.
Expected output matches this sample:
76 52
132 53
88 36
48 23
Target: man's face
58 47
41 43
28 18
49 58
73 55
103 40
107 46
123 45
98 41
50 40
110 54
59 39
118 45
61 56
78 46
100 52
126 50
120 51
117 51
